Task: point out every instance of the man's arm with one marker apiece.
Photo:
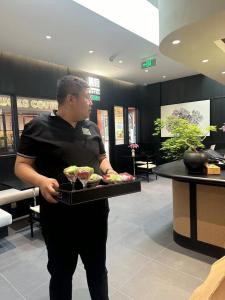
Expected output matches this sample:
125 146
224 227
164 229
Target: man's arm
24 170
105 165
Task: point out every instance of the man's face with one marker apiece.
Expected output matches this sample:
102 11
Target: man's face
82 105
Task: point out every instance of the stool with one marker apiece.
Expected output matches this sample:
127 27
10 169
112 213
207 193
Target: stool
34 215
147 168
5 220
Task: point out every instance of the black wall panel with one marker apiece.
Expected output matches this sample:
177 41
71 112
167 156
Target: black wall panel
27 77
187 89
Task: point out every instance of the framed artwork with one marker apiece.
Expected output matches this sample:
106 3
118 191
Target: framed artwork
197 112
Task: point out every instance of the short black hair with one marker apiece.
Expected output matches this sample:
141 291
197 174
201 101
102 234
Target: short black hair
69 84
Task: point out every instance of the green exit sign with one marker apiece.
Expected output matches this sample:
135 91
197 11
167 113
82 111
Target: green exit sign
95 97
148 63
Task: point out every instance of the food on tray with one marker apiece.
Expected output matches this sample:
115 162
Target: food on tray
112 178
71 173
94 177
126 176
94 180
116 178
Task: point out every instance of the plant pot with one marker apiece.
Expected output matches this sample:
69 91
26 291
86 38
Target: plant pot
195 161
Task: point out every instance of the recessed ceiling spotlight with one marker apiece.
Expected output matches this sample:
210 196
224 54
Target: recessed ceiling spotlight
205 60
48 37
91 51
146 70
176 42
164 76
120 61
223 72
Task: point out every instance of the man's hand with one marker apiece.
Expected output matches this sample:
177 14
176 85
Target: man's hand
48 187
24 169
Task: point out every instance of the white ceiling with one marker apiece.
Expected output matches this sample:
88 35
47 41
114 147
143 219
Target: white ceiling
75 30
198 43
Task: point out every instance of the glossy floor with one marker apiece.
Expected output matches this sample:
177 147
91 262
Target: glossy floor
143 261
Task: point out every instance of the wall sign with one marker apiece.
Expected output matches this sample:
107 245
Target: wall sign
5 101
30 103
37 104
94 84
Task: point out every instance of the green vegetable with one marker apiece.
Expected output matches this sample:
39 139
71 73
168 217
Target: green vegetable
71 170
86 169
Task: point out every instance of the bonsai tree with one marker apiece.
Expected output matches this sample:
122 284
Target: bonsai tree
185 136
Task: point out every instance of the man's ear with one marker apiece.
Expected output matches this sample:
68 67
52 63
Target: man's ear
70 98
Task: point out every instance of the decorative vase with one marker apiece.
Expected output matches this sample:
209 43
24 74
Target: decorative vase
133 152
195 161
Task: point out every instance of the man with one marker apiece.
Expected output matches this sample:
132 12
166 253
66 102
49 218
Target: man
50 143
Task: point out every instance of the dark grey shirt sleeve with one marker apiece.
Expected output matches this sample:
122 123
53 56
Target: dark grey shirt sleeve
28 145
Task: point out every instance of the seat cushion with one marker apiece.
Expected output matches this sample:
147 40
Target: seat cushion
148 167
5 218
141 162
35 209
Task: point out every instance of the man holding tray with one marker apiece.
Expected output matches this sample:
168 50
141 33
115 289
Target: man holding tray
50 143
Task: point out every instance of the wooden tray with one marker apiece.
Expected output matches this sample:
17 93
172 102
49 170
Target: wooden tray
72 197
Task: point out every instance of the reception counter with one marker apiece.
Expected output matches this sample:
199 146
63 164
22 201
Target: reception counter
198 209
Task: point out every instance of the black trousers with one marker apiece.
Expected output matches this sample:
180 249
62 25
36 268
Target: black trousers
86 236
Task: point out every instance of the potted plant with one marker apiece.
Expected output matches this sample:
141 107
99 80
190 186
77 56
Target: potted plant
186 141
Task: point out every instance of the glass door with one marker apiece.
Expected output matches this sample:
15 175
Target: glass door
103 125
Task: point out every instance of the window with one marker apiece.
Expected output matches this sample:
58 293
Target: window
119 125
103 125
28 108
132 124
6 132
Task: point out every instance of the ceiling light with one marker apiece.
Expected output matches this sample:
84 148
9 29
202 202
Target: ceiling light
91 51
48 37
164 76
176 42
146 70
120 61
223 72
205 60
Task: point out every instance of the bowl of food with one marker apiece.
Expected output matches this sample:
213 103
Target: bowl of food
94 180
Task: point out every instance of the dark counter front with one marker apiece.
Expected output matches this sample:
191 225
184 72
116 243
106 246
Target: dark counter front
198 209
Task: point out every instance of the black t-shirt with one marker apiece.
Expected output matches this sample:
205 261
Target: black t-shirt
55 145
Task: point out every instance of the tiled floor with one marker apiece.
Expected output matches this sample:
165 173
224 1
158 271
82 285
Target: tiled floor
143 261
